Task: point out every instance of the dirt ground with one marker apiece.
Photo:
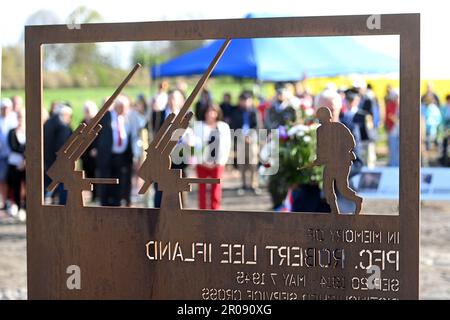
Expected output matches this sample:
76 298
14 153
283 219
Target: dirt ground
434 251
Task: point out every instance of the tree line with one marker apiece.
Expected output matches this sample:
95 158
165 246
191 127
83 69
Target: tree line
84 65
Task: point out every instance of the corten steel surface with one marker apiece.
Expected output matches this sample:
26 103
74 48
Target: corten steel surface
298 255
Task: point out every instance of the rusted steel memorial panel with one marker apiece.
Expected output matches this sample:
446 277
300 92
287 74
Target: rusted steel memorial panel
172 253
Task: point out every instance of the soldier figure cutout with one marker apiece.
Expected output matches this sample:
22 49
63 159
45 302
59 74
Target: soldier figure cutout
335 144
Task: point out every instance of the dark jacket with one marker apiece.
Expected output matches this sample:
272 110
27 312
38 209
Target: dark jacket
14 144
237 119
158 118
104 144
89 162
55 135
227 111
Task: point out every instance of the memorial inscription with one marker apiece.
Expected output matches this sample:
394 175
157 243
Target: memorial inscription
337 261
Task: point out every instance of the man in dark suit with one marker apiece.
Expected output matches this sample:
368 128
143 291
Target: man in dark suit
56 131
157 119
175 102
114 154
246 119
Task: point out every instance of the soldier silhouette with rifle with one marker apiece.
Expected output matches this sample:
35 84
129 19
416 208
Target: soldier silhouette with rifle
157 165
63 170
335 144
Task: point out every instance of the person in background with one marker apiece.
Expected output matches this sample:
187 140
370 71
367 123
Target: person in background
144 104
17 106
446 126
352 120
156 120
368 120
158 105
281 112
141 106
227 108
17 102
212 144
342 92
245 118
53 108
114 154
56 131
306 100
16 163
262 107
88 159
5 127
430 96
137 121
433 117
137 118
294 101
159 101
174 104
182 86
202 104
391 102
371 105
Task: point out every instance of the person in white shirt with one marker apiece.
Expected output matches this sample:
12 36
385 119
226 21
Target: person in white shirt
16 163
212 144
446 128
5 126
159 101
114 154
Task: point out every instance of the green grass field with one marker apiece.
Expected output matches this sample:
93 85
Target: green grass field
76 97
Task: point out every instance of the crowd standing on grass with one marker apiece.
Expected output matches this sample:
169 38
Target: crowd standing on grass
130 124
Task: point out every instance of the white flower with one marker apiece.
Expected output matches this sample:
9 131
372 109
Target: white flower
309 112
296 129
307 139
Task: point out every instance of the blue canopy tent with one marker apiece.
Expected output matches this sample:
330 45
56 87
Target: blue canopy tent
281 59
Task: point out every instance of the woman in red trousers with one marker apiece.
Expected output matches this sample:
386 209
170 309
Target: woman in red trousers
213 144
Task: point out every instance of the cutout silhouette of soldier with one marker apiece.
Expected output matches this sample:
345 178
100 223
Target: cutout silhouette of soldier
157 165
63 170
335 144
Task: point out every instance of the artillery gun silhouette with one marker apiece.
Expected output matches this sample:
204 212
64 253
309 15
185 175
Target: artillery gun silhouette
63 170
157 165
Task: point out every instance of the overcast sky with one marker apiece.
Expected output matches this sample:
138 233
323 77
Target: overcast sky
435 46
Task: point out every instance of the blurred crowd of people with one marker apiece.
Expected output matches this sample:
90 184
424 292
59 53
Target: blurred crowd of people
435 117
129 126
114 153
357 107
12 156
